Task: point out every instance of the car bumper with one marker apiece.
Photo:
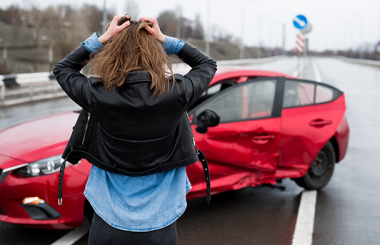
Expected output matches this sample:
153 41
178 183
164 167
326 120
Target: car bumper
14 188
342 136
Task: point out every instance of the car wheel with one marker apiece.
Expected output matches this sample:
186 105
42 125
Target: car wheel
320 171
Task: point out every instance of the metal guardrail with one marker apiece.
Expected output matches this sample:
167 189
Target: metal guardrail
359 61
29 87
23 88
237 62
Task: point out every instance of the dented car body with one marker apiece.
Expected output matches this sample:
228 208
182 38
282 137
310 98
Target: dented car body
272 126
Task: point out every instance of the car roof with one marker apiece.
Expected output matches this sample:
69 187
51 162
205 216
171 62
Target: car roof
229 72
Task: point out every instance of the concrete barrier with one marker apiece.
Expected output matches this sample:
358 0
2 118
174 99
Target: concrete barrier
359 61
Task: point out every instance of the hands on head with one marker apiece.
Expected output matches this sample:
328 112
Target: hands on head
114 29
155 29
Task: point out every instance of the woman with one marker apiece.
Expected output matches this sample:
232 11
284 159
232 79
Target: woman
134 128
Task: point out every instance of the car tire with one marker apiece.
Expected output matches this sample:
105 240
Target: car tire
320 171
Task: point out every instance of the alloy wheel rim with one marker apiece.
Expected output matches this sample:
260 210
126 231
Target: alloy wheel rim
320 164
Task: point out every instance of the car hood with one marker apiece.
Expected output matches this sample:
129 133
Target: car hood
36 139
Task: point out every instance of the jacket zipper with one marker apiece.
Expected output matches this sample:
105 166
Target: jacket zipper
85 129
188 124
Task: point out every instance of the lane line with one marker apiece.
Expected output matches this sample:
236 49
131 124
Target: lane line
303 234
316 71
74 235
297 72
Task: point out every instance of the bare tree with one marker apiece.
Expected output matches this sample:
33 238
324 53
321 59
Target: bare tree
132 8
219 34
166 20
198 29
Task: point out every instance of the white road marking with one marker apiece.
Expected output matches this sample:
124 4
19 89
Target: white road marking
303 234
297 72
74 235
316 71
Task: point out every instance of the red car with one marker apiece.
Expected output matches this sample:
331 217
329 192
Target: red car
272 126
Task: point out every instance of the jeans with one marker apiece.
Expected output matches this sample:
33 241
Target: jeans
103 233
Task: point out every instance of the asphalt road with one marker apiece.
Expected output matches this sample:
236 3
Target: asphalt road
347 209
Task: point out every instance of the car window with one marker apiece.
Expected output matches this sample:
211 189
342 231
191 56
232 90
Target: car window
323 94
249 101
298 94
212 90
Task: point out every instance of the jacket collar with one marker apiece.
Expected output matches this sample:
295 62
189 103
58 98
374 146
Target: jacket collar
138 76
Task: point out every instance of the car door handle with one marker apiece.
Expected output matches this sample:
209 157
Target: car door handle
262 139
320 122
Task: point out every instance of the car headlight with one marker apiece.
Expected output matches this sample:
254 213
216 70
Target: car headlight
42 167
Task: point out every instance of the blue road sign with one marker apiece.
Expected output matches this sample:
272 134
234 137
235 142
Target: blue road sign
300 22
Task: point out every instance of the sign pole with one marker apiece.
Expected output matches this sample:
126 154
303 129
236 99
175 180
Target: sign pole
298 62
301 23
305 50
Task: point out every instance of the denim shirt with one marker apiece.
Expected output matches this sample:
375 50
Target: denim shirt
144 203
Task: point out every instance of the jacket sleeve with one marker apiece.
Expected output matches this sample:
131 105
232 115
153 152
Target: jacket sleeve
76 85
199 77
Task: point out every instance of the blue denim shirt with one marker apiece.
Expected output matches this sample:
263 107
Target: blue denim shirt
143 203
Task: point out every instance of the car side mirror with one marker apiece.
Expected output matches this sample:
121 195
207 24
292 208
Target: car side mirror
207 118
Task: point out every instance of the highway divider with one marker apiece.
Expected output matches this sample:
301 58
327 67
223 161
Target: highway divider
359 61
28 87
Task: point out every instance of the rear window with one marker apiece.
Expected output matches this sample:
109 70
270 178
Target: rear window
298 93
323 94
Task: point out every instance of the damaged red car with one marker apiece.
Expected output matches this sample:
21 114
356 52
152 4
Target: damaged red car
271 126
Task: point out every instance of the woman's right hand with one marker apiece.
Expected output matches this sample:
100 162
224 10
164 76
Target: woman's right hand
155 29
113 30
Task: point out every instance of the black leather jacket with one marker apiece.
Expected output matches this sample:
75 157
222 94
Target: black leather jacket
128 131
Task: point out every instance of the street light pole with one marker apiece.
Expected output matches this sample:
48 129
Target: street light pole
273 40
5 55
259 35
259 38
208 29
361 34
283 38
51 54
104 17
349 37
242 29
378 22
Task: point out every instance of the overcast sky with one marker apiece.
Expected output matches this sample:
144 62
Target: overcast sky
336 23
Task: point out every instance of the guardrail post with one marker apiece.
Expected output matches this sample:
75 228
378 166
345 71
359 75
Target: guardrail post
2 91
31 87
2 88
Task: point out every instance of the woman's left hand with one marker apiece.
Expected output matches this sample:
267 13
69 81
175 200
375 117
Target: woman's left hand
113 30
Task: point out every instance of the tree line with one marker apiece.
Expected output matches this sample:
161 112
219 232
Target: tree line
28 32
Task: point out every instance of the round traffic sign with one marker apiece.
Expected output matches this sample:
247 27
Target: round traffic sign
300 22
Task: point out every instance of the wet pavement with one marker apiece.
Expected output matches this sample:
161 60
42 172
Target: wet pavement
13 115
347 209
